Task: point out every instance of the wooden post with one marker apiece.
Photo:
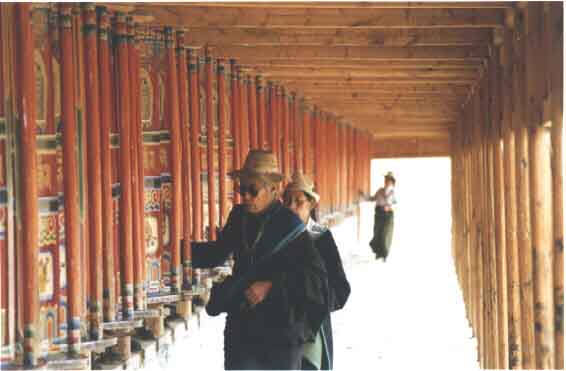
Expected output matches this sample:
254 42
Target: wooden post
556 100
235 117
109 292
70 182
221 86
285 158
194 110
307 146
185 130
244 124
126 238
516 66
94 170
210 148
175 151
252 113
137 176
261 112
274 103
28 181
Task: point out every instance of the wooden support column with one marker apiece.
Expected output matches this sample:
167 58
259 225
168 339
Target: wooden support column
271 117
210 148
306 142
109 292
185 129
235 117
70 181
126 220
555 36
175 151
244 124
261 112
194 111
518 103
536 84
275 122
94 170
28 181
252 113
285 155
316 150
222 153
137 170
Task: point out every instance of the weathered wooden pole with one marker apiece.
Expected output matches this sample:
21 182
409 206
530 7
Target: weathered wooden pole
556 39
210 147
194 111
137 175
70 180
109 292
275 122
28 181
175 152
252 113
183 86
261 112
222 153
306 138
94 170
126 217
285 155
235 117
244 124
518 99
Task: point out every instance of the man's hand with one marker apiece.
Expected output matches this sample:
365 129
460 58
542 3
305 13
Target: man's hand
257 292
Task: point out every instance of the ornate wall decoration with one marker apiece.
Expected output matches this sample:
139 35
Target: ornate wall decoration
151 235
46 279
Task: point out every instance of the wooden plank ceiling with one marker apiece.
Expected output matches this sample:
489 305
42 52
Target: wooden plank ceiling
397 69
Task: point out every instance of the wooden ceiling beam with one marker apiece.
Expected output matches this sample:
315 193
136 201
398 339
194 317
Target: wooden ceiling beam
357 4
360 71
386 80
351 53
188 15
407 64
259 36
312 73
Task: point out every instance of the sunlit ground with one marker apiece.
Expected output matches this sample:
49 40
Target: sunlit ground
407 313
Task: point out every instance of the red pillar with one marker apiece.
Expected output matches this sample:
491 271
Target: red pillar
221 86
28 181
210 148
252 113
307 146
106 166
185 159
285 158
244 127
126 222
137 175
194 109
94 169
261 112
235 117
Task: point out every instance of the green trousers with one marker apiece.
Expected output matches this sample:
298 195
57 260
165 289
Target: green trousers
382 232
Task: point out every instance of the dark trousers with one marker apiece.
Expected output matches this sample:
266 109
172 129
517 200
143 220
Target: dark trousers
382 232
265 357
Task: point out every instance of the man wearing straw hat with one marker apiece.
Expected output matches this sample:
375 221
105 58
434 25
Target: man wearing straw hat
285 300
383 221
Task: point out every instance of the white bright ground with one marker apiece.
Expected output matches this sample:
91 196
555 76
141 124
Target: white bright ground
407 313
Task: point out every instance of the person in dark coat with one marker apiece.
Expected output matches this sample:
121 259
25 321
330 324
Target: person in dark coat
300 197
285 305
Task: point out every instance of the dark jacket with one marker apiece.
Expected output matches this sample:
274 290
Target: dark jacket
297 303
338 285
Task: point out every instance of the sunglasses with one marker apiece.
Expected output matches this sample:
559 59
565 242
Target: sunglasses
251 189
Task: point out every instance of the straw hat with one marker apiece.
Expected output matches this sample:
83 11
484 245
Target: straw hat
259 163
389 175
301 182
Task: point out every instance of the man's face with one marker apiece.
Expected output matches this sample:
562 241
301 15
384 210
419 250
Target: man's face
256 195
299 203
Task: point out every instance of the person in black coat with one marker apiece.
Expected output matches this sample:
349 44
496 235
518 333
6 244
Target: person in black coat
286 303
300 197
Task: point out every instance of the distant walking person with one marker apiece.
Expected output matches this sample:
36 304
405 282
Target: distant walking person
383 221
